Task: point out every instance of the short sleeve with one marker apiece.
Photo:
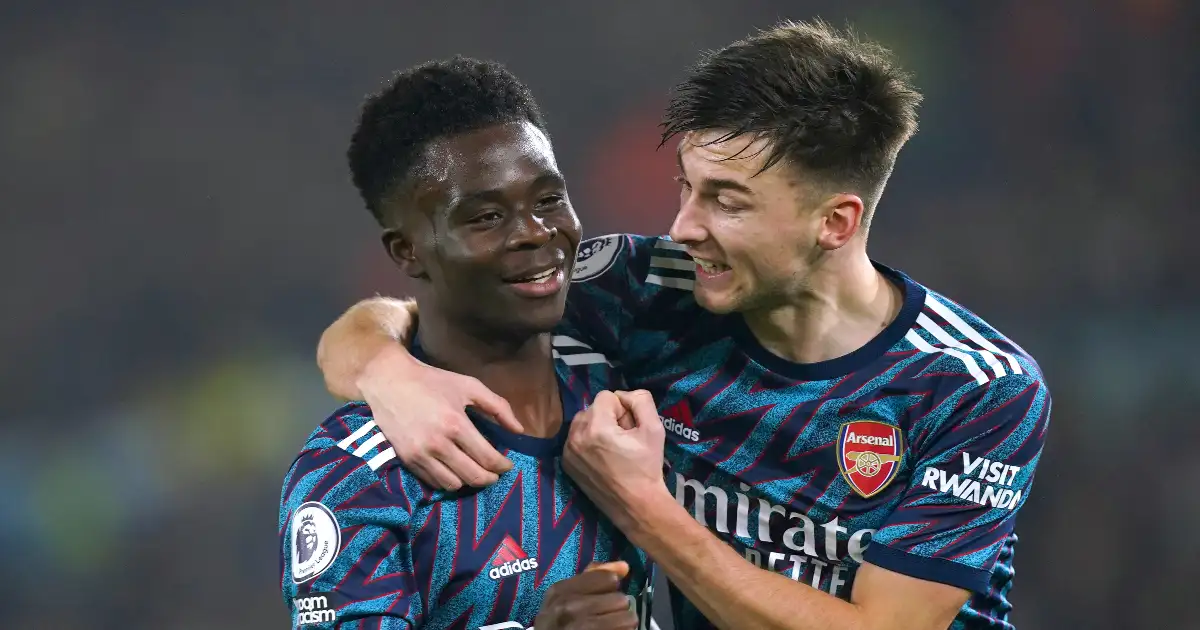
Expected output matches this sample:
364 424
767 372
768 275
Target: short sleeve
974 471
344 547
623 284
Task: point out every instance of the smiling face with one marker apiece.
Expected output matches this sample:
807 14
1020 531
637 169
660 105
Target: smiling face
829 111
488 229
756 236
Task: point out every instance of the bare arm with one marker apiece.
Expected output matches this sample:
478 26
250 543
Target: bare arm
703 567
621 472
421 409
364 332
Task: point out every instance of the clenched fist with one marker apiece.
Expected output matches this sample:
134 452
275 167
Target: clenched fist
591 600
618 463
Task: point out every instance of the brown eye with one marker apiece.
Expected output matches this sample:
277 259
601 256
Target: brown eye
551 200
490 216
727 206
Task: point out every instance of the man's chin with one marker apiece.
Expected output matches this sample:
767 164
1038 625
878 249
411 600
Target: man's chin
546 318
722 303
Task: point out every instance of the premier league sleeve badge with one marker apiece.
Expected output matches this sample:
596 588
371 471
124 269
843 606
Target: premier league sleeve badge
316 539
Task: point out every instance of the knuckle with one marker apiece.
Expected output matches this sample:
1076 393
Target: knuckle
482 479
438 447
454 429
572 608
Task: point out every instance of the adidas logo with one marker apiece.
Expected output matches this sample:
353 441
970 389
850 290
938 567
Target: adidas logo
684 426
510 559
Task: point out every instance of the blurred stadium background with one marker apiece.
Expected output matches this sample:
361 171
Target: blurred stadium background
179 226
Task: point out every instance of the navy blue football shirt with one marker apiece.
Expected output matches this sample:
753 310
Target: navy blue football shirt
914 453
364 544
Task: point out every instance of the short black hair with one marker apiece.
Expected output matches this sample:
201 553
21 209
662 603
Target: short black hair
423 103
828 102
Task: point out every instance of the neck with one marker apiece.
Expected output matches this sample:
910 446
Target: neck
519 368
845 304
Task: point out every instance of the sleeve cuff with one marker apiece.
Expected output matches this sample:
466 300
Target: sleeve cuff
938 570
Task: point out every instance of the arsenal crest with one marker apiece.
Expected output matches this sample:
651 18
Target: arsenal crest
869 455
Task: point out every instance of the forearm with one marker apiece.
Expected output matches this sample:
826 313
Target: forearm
730 591
359 336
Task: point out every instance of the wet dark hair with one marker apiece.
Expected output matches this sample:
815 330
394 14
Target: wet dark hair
831 104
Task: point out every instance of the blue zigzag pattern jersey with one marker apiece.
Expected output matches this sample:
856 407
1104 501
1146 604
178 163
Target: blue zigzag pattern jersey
913 453
365 545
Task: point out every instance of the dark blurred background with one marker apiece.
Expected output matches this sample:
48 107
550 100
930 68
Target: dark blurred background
179 226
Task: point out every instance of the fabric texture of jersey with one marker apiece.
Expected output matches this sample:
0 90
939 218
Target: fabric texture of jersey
365 545
913 453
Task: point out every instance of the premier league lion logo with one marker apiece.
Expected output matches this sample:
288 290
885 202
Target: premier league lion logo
306 539
316 540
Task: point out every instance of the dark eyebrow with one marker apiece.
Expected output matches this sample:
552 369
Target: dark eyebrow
492 195
552 179
713 185
496 195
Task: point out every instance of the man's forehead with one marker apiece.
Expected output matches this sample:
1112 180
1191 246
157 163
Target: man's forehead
483 164
745 153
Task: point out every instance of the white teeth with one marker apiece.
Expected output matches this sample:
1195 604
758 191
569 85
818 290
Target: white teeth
709 266
542 277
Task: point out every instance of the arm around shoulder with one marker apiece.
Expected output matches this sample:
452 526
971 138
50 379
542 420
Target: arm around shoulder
421 409
368 329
